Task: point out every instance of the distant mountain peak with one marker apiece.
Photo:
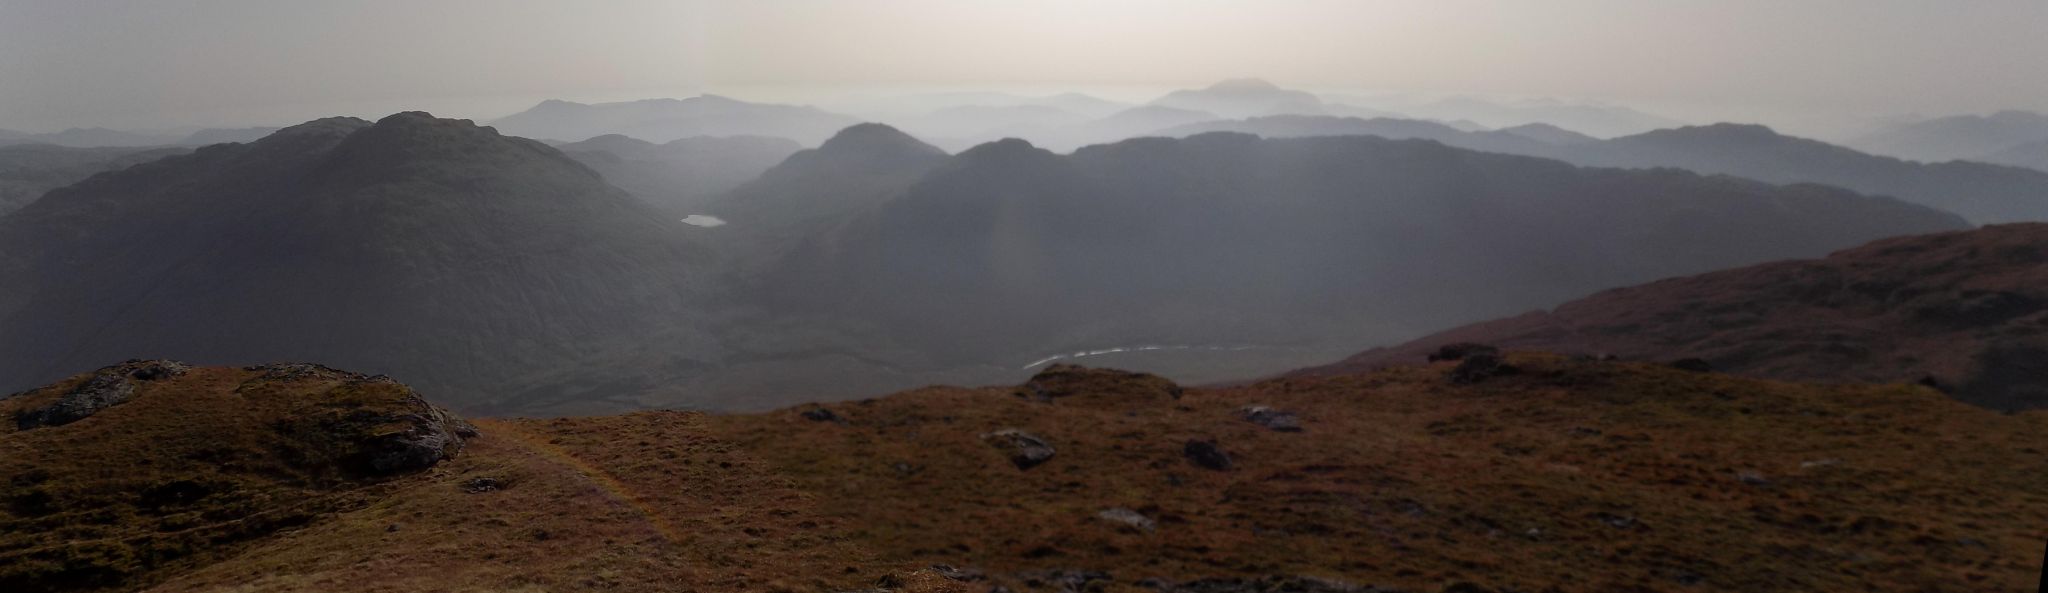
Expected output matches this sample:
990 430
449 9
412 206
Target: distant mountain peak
1244 84
870 136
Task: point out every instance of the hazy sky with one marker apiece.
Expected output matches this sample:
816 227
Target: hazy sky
123 63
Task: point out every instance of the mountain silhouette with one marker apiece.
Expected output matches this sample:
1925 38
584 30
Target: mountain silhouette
482 267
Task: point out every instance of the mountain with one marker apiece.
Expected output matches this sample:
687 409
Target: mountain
1550 134
681 175
89 138
1957 137
27 171
663 120
1244 97
1287 246
973 124
1980 192
2033 156
218 135
813 191
490 270
1966 311
1568 476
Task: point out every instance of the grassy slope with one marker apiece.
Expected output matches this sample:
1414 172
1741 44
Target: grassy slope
1577 476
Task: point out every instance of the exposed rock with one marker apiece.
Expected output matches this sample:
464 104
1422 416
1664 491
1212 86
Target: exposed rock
1269 584
1026 450
1278 420
1752 478
820 414
1696 365
1206 454
1480 366
1066 380
1064 581
482 484
1461 350
1129 518
963 574
108 387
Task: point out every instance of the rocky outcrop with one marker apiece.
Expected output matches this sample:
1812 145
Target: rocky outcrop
107 387
1063 381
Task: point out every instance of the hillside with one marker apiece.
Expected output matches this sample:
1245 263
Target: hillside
681 176
484 268
1283 248
28 171
1964 311
1565 476
664 120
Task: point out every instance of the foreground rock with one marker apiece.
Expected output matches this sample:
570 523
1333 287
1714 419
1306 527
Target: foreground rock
207 460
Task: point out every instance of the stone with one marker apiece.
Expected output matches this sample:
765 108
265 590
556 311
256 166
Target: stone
1026 450
1206 454
1276 420
1128 518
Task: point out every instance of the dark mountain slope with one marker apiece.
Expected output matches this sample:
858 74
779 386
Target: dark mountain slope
856 170
682 175
28 171
1968 310
1230 239
477 265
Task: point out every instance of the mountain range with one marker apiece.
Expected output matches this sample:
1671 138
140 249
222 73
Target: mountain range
1231 240
1982 193
664 120
1961 137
